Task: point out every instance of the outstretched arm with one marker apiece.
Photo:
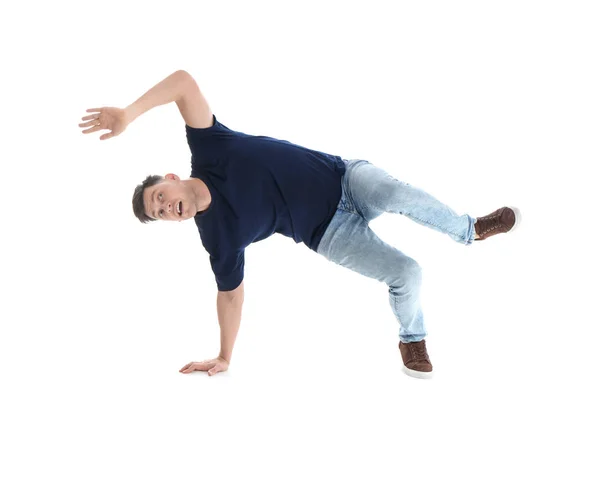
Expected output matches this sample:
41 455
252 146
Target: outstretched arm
179 87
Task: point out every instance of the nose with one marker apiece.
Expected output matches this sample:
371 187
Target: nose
171 208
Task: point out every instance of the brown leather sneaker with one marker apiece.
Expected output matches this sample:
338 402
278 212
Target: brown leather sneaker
416 359
502 220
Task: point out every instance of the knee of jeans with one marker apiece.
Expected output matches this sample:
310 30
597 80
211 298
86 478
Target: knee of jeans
415 273
410 275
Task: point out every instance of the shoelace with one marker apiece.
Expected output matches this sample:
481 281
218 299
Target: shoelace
488 224
419 351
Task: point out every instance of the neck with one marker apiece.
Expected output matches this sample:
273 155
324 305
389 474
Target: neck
201 194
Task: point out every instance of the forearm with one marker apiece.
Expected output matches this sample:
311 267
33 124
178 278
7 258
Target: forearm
166 91
229 310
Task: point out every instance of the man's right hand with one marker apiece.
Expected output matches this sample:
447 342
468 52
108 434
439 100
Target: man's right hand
211 366
107 118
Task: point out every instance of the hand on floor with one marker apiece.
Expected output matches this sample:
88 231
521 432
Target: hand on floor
212 366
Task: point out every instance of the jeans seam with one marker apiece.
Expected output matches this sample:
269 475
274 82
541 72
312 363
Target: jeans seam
346 209
423 220
356 211
434 225
349 198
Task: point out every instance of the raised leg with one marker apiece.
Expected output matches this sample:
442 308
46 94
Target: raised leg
373 191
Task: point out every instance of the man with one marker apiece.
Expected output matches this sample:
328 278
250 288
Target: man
244 188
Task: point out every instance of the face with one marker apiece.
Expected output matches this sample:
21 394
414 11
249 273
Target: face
165 200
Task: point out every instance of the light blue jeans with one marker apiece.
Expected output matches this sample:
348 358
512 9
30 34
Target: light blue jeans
367 192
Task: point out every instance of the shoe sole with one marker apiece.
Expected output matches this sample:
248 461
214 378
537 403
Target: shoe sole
417 374
518 216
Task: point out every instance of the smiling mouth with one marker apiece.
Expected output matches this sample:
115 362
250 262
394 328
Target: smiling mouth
180 208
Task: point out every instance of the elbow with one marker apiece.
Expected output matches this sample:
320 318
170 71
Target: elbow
184 74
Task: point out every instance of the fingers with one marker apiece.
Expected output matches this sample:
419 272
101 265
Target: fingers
88 124
95 128
92 117
204 365
92 121
188 368
193 366
95 125
212 366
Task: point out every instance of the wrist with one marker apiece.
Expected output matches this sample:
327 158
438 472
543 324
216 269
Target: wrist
132 112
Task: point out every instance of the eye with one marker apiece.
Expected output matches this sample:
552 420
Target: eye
160 213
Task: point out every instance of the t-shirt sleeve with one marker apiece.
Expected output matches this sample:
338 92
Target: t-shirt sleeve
205 143
228 269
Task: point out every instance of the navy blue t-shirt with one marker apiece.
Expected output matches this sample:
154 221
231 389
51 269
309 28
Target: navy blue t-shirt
259 186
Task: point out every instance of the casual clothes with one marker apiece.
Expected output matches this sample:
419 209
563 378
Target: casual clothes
259 186
367 192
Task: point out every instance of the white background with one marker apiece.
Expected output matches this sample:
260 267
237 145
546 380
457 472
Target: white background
482 104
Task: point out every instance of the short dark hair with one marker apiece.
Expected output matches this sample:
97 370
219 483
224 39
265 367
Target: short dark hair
138 197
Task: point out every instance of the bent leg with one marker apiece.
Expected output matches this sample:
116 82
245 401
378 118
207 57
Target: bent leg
348 241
